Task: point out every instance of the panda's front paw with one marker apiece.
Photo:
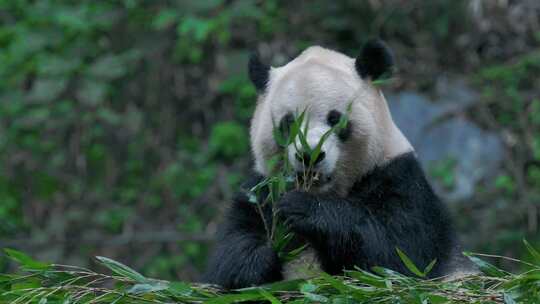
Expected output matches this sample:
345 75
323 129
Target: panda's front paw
296 209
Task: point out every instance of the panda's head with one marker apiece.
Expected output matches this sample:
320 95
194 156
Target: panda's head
327 84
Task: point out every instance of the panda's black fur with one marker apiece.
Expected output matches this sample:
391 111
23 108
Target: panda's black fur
391 207
375 60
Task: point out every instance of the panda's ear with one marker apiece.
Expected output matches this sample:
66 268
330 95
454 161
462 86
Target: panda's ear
259 72
375 61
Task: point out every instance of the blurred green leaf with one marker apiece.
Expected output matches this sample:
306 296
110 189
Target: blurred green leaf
228 140
107 67
165 18
199 28
92 92
506 183
54 65
46 89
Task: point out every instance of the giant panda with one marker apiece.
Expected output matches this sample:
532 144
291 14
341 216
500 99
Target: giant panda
373 196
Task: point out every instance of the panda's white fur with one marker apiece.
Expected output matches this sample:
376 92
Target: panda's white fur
320 80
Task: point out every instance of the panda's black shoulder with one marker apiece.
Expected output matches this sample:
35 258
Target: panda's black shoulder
401 179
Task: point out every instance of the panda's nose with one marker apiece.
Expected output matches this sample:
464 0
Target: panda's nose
305 158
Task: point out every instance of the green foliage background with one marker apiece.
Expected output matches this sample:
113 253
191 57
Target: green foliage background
124 124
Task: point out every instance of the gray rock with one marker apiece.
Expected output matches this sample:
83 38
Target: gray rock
438 138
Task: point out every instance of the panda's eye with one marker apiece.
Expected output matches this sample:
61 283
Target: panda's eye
333 118
285 123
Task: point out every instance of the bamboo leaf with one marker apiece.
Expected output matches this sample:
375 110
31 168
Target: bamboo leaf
388 273
317 151
508 299
367 278
279 138
315 297
337 284
535 254
294 254
409 263
429 267
308 287
342 124
232 298
303 141
485 267
291 285
122 269
267 295
295 128
344 119
148 287
436 299
180 289
308 290
25 260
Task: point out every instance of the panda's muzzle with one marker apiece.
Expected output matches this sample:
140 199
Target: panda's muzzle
304 161
313 178
305 158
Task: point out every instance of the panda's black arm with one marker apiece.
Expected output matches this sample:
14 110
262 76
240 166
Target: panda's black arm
346 234
392 208
242 256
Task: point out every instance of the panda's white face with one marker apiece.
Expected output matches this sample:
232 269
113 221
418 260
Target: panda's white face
323 83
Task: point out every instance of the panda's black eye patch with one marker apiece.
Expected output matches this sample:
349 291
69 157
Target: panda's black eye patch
333 117
285 124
